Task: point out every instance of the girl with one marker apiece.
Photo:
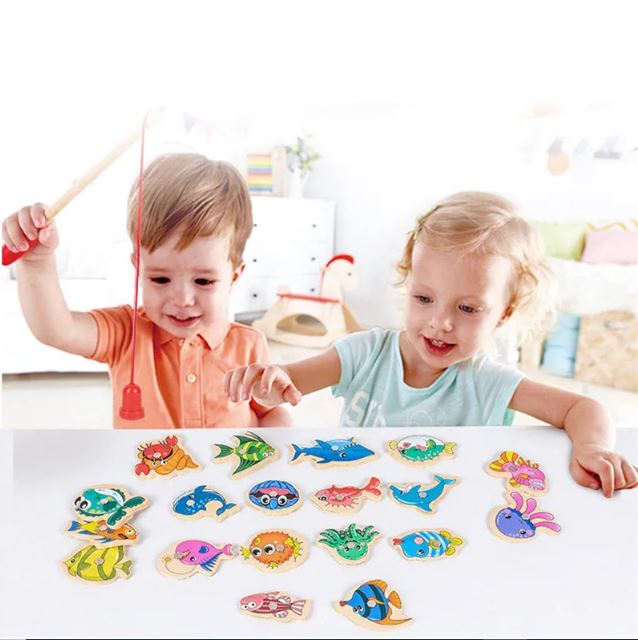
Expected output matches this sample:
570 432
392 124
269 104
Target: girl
470 264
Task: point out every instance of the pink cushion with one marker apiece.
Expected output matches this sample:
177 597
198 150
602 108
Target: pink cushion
614 246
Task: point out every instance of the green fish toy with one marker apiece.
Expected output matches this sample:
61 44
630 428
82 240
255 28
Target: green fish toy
421 449
252 451
99 565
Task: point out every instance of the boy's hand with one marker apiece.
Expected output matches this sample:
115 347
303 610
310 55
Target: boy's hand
598 468
270 385
28 224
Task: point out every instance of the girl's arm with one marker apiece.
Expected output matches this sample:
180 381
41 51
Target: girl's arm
275 417
272 385
593 464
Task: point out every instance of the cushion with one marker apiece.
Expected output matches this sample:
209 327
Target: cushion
558 362
608 350
626 223
585 289
562 240
612 246
559 355
564 334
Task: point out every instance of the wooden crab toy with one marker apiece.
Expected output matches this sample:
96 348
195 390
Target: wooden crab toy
163 457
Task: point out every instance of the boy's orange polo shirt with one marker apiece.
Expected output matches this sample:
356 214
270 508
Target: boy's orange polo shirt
181 380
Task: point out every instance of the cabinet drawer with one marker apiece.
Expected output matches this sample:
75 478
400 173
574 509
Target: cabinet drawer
281 220
308 259
280 230
247 298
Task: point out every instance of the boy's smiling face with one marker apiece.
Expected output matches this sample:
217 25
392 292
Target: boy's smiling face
186 291
455 303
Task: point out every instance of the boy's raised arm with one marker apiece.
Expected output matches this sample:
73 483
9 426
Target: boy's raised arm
41 297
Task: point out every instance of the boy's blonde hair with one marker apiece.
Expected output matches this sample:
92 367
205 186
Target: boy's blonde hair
195 196
486 224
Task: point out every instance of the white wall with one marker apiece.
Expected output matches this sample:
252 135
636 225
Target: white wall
406 104
385 164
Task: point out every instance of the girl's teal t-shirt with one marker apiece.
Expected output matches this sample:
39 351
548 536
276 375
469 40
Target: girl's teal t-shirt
473 392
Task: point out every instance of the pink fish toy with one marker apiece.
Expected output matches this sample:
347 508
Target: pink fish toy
184 559
277 605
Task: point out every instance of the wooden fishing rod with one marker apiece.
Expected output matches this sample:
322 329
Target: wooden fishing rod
9 257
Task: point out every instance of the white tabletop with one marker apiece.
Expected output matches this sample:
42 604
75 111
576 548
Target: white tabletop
582 583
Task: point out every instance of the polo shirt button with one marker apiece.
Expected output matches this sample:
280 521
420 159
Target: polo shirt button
191 377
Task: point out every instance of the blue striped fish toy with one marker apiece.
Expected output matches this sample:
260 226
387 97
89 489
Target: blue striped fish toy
427 544
371 603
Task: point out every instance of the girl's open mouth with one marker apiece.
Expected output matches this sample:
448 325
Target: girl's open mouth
438 347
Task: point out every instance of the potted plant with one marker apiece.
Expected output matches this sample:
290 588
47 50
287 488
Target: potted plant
301 161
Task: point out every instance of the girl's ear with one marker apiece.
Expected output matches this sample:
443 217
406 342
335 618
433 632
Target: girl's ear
507 314
133 258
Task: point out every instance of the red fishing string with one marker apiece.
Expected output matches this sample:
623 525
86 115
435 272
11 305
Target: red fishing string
131 408
138 243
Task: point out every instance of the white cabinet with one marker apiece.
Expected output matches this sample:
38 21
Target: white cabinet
292 240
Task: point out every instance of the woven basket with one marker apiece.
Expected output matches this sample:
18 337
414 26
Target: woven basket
608 350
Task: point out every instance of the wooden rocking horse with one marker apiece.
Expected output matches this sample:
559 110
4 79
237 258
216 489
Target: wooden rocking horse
314 321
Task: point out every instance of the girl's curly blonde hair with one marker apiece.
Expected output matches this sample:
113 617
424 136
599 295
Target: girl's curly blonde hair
487 224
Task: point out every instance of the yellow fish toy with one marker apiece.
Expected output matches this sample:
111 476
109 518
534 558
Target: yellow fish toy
99 565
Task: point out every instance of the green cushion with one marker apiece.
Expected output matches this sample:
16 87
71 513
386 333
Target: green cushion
562 240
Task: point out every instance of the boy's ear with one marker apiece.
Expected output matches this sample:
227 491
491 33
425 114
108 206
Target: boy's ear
507 314
238 271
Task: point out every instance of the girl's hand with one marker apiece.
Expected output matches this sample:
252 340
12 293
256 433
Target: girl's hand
270 385
28 224
598 468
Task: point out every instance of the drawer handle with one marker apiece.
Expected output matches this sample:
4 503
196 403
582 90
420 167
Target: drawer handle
314 226
254 259
616 326
255 295
313 259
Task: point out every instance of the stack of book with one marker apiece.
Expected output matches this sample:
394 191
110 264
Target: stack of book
266 172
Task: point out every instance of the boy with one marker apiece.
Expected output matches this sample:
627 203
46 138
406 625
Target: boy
196 219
